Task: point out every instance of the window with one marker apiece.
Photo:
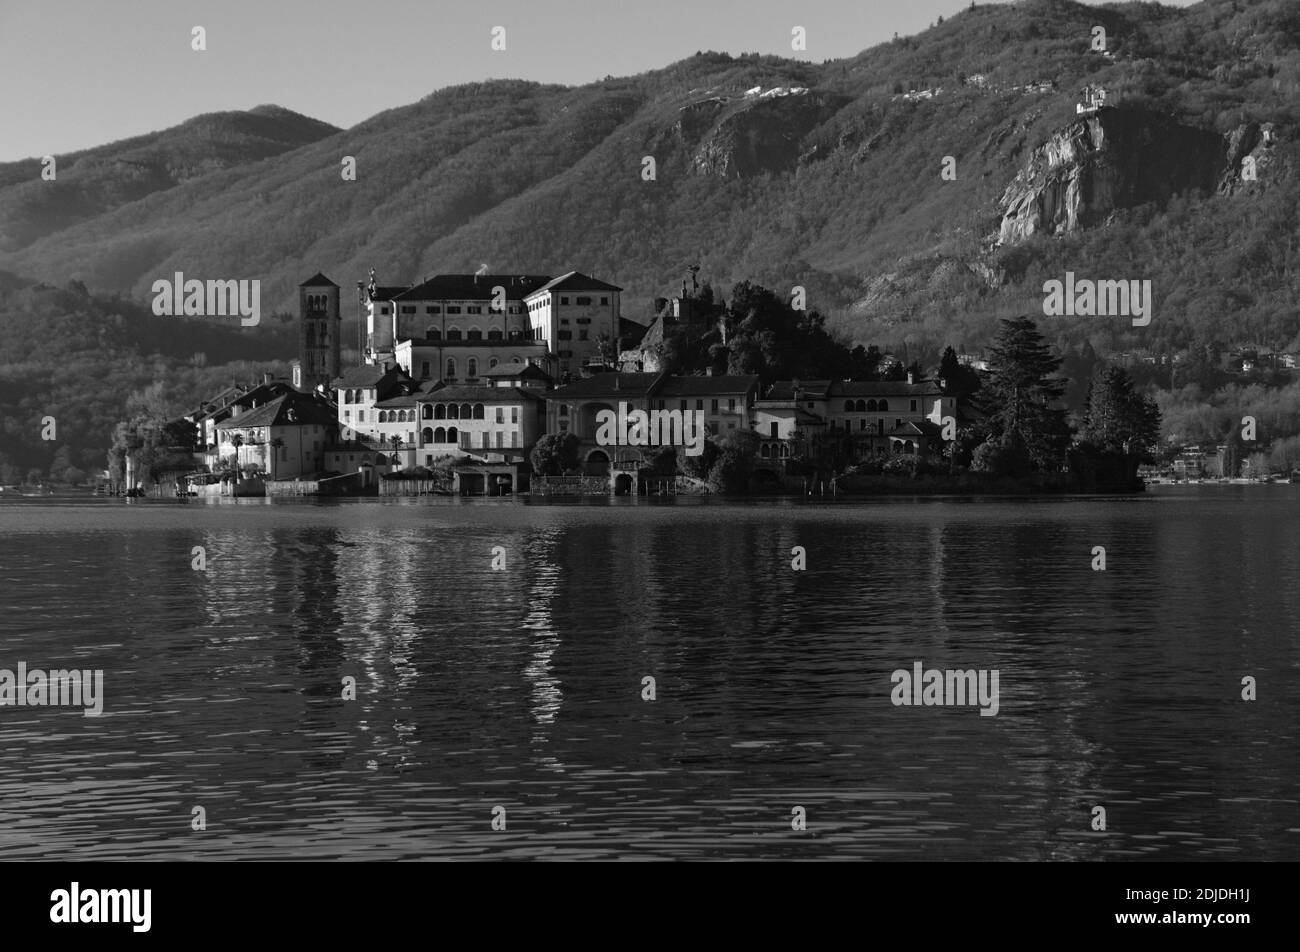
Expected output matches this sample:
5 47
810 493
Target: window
453 308
426 411
871 406
862 424
474 334
478 411
584 320
501 439
361 416
848 406
487 437
492 362
564 322
383 309
452 434
466 412
451 368
440 411
584 301
564 300
776 431
424 368
408 309
713 406
453 333
884 406
426 435
474 309
440 435
861 406
494 335
347 415
683 406
564 410
604 301
471 367
501 414
514 414
913 406
433 333
699 404
431 309
731 408
566 335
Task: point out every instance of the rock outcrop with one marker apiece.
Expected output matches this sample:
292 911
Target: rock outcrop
1109 160
764 134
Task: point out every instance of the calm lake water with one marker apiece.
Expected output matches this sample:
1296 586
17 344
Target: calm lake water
522 687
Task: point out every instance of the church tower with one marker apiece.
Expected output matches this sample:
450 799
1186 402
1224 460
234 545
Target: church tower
320 329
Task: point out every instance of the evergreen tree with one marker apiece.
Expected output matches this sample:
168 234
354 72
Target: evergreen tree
1021 394
1118 419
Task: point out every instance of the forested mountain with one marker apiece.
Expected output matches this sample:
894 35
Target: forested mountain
775 170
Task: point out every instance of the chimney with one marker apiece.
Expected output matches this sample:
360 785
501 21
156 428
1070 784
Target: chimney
911 377
267 377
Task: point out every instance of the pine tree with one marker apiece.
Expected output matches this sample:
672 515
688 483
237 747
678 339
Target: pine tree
1117 418
1021 395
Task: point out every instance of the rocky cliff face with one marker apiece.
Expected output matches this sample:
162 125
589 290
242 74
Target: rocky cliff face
1109 160
761 136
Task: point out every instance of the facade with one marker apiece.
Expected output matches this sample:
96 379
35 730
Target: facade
319 333
285 438
576 317
725 402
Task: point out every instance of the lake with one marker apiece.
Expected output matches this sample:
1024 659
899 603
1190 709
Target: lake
516 694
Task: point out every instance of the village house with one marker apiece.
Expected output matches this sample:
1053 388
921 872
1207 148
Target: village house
284 438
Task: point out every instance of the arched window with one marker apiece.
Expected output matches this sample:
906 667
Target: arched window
871 406
440 411
311 335
426 435
451 367
764 452
453 333
516 360
433 333
452 435
440 435
492 362
453 411
908 447
471 368
426 411
474 334
785 451
564 409
466 411
478 411
495 335
884 406
862 406
383 416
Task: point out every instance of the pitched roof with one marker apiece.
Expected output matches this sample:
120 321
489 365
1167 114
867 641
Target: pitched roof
707 386
318 280
292 409
575 281
516 370
369 375
474 393
386 293
916 428
883 388
809 390
471 287
608 385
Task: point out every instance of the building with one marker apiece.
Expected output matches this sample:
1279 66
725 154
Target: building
319 333
576 317
285 437
723 402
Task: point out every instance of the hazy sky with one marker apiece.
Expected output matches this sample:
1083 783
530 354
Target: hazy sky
80 73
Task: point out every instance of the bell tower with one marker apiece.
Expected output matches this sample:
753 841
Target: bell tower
319 331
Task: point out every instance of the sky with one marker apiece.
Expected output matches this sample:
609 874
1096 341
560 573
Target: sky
81 73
